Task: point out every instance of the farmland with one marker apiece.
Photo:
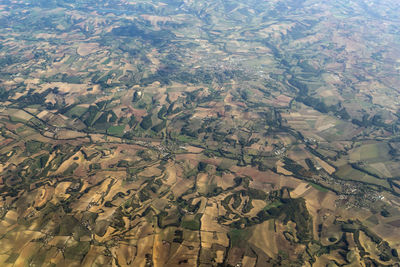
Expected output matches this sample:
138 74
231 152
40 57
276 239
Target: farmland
192 133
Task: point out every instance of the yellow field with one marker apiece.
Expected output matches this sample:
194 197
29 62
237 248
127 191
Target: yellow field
264 238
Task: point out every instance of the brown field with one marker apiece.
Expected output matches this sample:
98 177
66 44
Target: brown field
150 172
209 220
280 169
326 166
202 183
68 134
264 237
85 49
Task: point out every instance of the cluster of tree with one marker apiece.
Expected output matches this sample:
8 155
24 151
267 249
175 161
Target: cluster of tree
71 79
375 120
156 38
34 98
291 210
159 127
146 122
295 168
8 60
386 253
317 103
90 115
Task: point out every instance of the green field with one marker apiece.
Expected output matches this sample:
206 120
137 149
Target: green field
76 111
116 130
320 188
346 172
378 152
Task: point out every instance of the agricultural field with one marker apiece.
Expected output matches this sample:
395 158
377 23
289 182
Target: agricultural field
199 133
